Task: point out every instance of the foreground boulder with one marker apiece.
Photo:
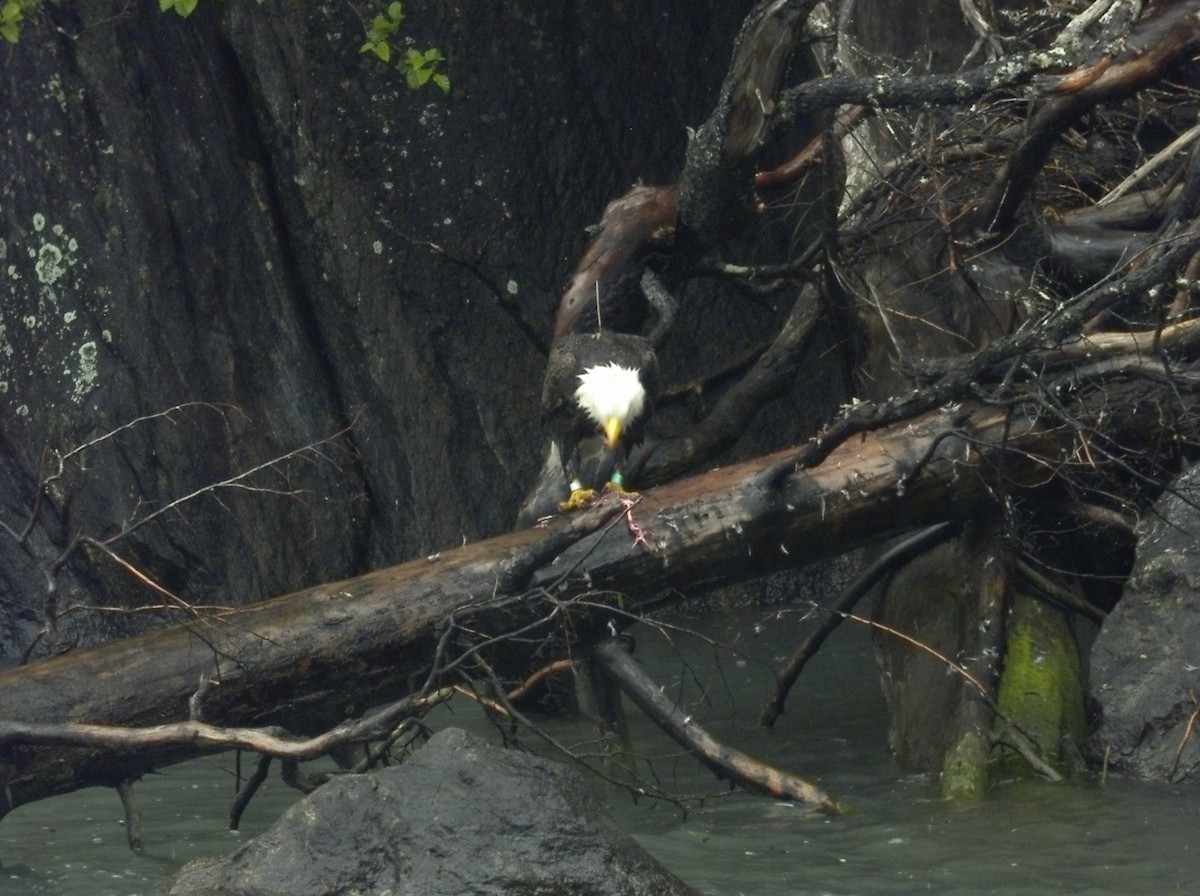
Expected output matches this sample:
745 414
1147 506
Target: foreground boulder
460 817
1145 664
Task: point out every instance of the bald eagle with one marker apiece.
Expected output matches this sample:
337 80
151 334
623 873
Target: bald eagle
598 392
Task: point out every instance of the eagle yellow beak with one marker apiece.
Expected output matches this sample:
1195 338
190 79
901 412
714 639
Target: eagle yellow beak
612 432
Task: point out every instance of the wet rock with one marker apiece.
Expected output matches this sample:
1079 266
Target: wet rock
460 817
1145 664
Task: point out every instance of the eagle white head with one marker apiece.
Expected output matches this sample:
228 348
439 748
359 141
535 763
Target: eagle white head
612 396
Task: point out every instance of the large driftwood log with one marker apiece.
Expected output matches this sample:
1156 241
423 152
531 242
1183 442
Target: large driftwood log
311 659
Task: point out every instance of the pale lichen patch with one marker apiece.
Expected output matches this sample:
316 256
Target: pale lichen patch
84 377
55 89
46 347
51 264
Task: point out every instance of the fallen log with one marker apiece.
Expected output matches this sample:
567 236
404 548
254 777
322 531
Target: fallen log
307 661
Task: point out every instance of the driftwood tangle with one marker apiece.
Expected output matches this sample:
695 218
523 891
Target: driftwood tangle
329 652
311 659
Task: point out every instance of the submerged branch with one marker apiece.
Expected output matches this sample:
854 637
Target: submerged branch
726 762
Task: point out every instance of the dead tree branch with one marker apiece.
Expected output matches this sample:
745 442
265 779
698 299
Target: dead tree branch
272 742
895 555
724 761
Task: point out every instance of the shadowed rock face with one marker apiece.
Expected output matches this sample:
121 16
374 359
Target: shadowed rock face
240 210
1144 662
460 817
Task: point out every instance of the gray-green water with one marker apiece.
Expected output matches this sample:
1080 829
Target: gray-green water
1029 838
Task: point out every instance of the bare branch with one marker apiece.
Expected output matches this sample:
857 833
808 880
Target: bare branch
238 481
725 762
266 741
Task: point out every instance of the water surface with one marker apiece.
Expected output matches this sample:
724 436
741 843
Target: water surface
1083 837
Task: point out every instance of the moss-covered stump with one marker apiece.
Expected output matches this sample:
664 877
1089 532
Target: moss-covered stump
1041 686
932 601
966 771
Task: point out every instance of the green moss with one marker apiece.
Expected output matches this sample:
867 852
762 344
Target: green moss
965 771
1041 686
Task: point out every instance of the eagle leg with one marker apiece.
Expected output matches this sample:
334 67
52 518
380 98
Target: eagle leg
616 486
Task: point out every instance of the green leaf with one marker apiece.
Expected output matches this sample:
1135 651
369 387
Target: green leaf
418 67
381 29
412 76
183 7
11 15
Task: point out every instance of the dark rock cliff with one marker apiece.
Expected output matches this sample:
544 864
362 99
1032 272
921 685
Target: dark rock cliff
240 217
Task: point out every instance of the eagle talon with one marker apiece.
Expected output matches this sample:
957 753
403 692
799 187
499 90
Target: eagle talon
616 488
579 498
